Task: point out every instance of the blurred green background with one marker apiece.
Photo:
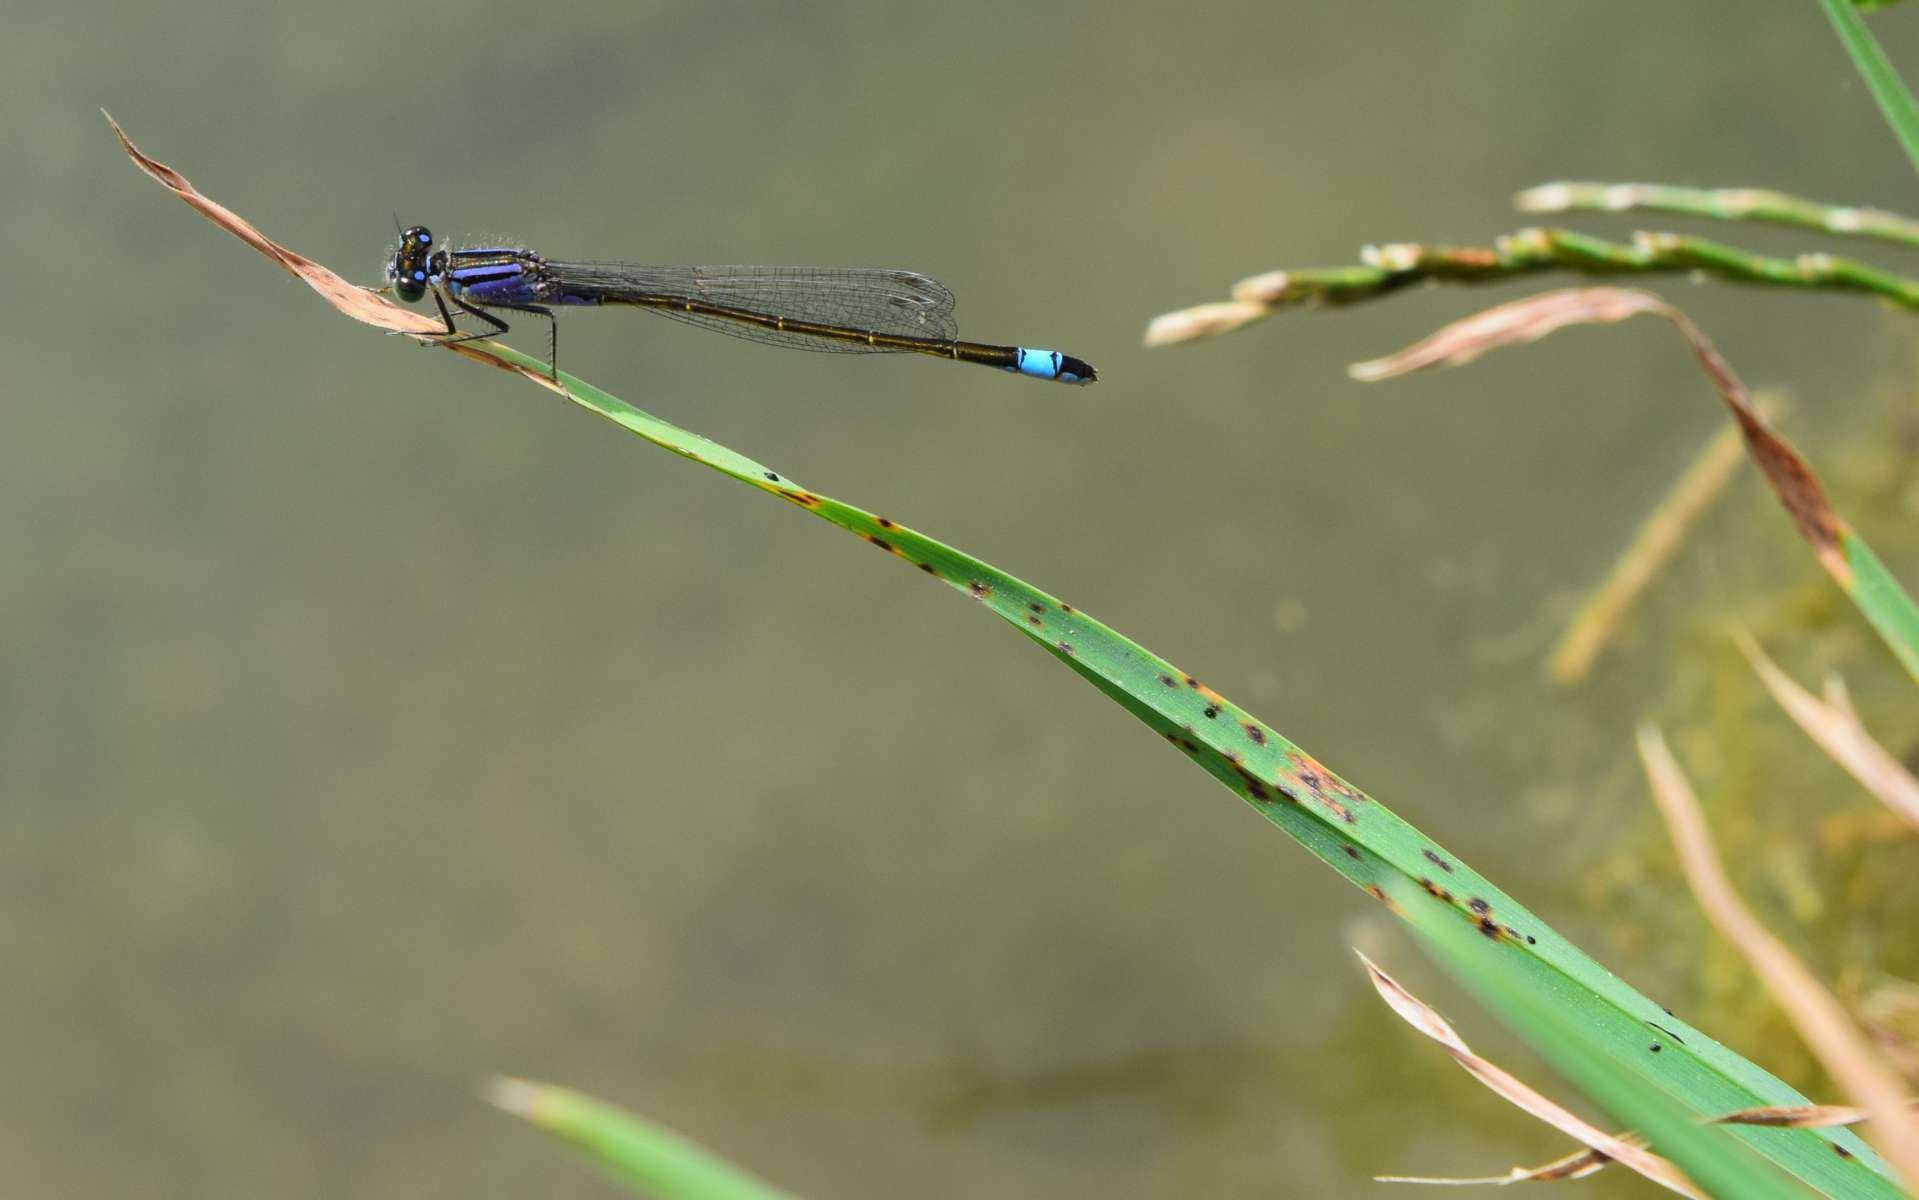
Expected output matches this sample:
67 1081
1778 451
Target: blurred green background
370 722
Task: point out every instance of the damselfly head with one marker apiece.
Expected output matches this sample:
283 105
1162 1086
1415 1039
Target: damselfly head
407 270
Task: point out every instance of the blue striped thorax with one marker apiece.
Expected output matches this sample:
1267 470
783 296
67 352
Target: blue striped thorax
492 276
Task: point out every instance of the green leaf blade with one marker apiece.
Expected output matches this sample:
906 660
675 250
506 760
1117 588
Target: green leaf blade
1361 839
1889 91
646 1157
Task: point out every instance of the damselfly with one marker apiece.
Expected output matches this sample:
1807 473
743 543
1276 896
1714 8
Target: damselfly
806 308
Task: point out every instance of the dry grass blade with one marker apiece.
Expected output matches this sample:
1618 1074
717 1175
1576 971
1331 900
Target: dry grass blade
1536 316
1656 543
1840 1047
1421 1016
362 304
1511 324
1577 1165
1805 1116
1836 727
357 302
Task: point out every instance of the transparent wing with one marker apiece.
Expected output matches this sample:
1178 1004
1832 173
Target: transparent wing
893 302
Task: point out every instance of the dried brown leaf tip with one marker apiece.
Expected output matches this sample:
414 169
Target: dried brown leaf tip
1512 324
362 304
1601 1146
1534 317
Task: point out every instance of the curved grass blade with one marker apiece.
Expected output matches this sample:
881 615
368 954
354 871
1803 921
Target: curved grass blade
1820 1019
1603 1147
1834 724
1637 1093
1888 90
1839 548
646 1157
1342 826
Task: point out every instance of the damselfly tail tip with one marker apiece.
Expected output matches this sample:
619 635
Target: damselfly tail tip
1048 364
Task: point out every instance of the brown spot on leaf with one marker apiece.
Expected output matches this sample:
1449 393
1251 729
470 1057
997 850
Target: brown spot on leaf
1255 786
1258 734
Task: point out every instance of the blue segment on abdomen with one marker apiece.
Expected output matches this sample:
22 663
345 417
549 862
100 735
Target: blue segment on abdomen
1040 364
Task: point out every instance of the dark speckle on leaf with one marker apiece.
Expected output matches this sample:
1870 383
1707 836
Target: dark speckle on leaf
1437 860
1212 710
929 568
771 476
1065 648
1169 681
1479 906
1256 733
884 523
1352 852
